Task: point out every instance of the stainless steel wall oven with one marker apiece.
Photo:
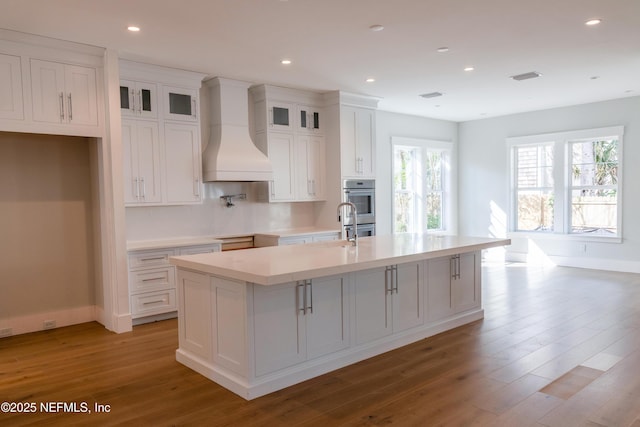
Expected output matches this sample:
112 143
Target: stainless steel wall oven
362 193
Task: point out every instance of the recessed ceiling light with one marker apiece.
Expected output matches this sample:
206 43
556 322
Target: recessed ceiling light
442 49
593 22
376 28
133 28
525 76
594 77
286 62
370 80
431 95
469 68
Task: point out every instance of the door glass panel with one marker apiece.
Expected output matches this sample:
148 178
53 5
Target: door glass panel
180 104
124 97
316 120
303 119
145 94
280 116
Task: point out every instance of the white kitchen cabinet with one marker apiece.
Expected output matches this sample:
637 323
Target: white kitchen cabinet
387 300
273 239
280 116
63 93
357 141
294 322
310 120
141 148
11 97
182 163
453 285
177 155
180 104
152 280
138 99
310 167
282 156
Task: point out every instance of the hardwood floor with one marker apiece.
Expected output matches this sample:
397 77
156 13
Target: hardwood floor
557 347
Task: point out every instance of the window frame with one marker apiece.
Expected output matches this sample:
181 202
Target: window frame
562 176
446 147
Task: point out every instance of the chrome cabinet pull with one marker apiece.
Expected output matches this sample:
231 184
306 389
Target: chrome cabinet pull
144 189
394 270
194 114
132 100
301 299
155 258
152 279
70 108
153 302
310 285
197 191
137 188
61 106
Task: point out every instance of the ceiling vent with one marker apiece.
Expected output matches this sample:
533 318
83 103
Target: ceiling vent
431 95
526 76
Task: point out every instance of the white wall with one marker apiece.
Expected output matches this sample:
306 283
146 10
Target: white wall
212 218
393 124
484 173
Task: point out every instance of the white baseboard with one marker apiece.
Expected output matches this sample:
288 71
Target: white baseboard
581 262
36 322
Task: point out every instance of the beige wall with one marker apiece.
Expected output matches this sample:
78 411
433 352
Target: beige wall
46 225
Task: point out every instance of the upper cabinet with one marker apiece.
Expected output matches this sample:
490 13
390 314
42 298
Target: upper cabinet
288 126
357 141
11 104
161 135
181 103
138 99
62 93
55 90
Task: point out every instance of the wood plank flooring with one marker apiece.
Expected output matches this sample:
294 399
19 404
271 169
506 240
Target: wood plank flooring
557 347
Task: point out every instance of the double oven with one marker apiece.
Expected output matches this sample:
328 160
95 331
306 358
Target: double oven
362 193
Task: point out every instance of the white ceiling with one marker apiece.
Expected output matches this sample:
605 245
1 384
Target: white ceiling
332 48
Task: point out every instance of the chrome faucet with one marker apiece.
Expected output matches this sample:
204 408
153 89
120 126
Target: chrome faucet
354 215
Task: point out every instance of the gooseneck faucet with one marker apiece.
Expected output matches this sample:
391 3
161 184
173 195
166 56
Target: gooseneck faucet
354 215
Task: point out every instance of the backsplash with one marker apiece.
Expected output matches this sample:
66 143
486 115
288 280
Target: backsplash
213 218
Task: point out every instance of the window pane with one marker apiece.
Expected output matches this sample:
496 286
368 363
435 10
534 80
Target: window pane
433 170
404 209
535 166
595 163
535 210
434 211
594 211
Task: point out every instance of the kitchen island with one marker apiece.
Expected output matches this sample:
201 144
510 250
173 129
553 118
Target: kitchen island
259 320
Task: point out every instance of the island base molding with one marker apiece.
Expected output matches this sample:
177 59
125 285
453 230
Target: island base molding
310 369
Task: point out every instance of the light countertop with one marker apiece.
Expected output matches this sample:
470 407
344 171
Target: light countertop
138 245
303 231
282 264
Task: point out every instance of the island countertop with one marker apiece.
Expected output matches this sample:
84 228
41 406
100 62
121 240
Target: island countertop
282 264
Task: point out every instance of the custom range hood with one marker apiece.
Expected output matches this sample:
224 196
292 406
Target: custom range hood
231 154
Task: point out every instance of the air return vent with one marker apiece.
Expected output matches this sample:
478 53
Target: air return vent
431 95
526 76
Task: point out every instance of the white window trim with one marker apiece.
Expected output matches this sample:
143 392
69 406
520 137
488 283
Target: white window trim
562 214
449 187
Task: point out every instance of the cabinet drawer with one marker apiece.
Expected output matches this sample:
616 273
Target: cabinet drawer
152 279
150 258
151 303
202 249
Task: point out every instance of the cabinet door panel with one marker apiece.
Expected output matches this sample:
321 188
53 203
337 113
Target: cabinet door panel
11 106
439 288
365 141
327 324
409 299
279 337
372 305
182 163
81 96
180 104
281 154
148 162
464 293
47 91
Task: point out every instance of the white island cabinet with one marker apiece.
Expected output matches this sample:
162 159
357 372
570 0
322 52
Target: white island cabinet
259 320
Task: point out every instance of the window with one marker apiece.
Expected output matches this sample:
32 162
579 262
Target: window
568 183
421 185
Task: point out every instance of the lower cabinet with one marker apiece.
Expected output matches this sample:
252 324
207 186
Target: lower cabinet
152 280
453 285
297 321
387 300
